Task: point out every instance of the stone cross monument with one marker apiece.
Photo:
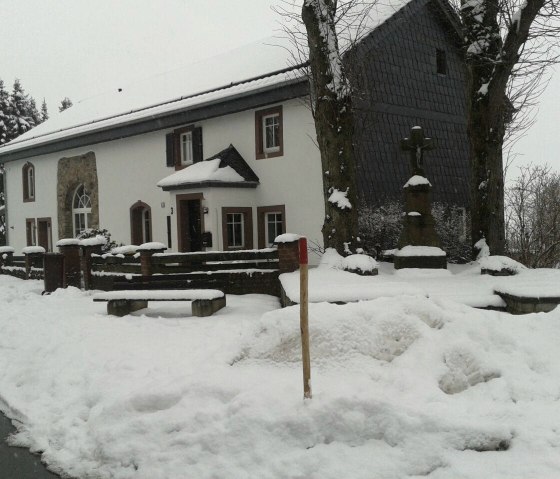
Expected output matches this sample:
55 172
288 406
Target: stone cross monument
419 245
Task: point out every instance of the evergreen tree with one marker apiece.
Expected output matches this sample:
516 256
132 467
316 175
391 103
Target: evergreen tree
4 112
20 119
33 112
65 104
44 111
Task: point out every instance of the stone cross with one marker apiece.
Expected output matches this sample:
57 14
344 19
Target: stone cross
417 144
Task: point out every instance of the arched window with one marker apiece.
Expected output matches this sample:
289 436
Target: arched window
140 223
28 177
81 210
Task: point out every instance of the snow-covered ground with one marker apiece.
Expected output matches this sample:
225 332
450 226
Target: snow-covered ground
403 387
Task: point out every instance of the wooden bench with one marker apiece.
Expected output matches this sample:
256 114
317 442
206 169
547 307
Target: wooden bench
205 302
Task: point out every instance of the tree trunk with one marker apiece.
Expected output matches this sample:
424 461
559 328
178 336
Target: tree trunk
332 112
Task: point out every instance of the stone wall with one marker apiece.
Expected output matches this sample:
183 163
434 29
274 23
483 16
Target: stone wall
71 173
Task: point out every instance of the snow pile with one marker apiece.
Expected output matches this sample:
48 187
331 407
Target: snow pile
530 283
420 251
33 249
6 249
500 263
405 387
98 240
68 242
200 172
152 246
125 250
483 248
359 263
287 238
417 180
340 199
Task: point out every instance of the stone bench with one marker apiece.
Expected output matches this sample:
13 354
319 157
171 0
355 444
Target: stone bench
205 302
524 304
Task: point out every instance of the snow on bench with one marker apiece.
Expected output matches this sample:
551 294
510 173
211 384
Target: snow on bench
205 302
530 291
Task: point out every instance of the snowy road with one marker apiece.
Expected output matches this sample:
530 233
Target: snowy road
17 462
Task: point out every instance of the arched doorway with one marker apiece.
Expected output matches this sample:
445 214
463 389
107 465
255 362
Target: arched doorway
140 223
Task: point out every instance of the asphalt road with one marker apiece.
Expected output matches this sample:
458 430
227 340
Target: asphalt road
17 462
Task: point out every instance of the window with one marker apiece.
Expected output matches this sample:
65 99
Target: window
269 133
237 228
81 210
441 62
271 223
184 147
28 178
140 223
31 232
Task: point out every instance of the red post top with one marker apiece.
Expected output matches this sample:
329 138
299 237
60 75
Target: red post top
302 243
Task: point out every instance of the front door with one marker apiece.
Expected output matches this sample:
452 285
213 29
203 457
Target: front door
44 235
190 225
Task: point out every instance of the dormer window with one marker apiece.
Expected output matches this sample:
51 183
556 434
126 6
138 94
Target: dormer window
269 133
28 177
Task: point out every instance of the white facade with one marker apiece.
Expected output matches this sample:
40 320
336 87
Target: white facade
128 170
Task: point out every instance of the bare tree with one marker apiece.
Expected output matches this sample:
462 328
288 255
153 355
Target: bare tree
332 111
509 44
533 217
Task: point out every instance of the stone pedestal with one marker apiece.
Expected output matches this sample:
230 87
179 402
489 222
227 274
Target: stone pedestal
419 245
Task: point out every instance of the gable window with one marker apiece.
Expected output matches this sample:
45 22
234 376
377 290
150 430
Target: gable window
237 228
28 177
441 62
141 223
31 232
269 133
184 147
271 223
81 210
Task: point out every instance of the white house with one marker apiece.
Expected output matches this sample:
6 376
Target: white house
222 154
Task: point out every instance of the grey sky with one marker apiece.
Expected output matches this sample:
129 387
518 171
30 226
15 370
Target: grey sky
78 48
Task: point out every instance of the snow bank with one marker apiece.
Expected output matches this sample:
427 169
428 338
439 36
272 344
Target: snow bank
499 263
405 387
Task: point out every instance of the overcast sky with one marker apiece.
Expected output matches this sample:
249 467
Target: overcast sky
78 48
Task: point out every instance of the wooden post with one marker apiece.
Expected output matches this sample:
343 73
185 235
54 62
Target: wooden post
304 317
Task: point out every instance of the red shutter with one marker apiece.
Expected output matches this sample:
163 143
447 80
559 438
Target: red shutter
197 144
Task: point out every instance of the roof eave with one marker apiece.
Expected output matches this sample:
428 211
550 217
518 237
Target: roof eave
210 184
285 90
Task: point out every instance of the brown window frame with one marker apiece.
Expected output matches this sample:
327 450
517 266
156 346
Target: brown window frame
261 223
259 141
247 213
27 198
30 231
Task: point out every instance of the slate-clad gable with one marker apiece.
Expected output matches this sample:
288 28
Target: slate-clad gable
395 70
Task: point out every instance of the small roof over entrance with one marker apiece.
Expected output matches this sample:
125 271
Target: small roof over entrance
225 169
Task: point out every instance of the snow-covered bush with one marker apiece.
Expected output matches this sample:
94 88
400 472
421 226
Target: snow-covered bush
93 232
380 228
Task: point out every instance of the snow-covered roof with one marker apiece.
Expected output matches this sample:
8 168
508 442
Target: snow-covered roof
227 168
265 64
